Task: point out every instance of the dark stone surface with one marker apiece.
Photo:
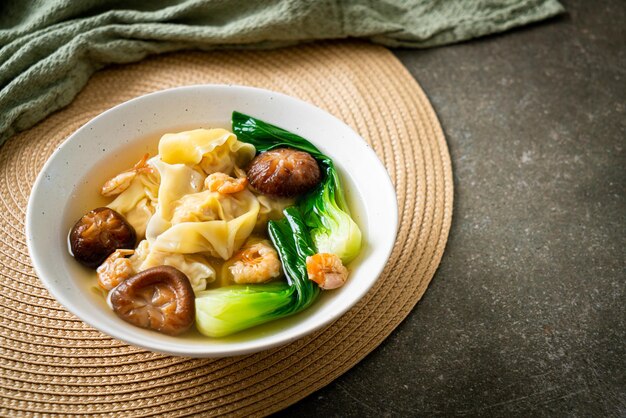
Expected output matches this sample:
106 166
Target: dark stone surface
526 315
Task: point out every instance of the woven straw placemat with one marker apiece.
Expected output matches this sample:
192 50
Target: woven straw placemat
52 363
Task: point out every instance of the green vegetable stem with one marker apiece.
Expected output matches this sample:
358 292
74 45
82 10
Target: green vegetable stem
293 243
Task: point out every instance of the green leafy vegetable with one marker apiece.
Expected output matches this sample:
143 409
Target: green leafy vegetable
328 228
326 213
224 311
293 243
265 137
324 208
230 309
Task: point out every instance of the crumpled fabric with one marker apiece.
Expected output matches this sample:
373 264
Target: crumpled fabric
49 49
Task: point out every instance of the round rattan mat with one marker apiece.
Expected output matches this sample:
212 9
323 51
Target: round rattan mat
52 363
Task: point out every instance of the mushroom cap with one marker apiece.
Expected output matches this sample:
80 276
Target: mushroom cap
160 298
97 234
283 172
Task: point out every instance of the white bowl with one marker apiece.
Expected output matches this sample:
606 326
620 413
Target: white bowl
68 183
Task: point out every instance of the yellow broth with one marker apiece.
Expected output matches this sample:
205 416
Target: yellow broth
86 196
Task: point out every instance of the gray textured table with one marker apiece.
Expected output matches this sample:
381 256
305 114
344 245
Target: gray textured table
526 315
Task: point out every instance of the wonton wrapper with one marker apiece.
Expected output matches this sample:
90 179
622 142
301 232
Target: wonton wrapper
177 180
271 209
194 266
214 150
210 222
137 203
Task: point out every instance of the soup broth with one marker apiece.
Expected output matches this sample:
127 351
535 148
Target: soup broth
86 196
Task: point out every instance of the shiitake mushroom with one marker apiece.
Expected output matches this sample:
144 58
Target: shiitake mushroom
160 298
283 172
97 234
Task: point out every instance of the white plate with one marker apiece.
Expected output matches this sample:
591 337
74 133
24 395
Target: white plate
77 168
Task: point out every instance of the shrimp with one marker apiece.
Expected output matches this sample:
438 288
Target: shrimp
326 270
225 184
115 269
122 181
256 263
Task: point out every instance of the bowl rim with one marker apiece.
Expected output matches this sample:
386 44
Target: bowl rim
200 351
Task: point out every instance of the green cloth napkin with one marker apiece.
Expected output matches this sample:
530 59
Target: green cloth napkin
49 49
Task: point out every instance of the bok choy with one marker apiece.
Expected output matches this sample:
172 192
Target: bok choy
319 223
324 209
226 310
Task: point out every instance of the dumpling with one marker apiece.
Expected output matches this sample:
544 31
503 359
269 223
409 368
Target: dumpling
177 180
214 150
227 157
138 202
156 226
140 215
271 209
210 222
195 266
210 206
189 220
